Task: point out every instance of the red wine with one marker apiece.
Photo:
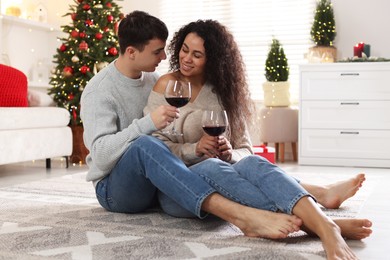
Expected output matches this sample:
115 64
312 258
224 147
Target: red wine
214 130
177 101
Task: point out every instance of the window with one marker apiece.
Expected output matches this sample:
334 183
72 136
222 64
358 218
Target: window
253 24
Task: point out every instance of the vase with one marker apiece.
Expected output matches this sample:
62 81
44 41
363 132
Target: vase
80 152
276 94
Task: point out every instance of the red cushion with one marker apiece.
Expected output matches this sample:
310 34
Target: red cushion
13 87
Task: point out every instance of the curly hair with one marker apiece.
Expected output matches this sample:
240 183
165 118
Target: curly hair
224 69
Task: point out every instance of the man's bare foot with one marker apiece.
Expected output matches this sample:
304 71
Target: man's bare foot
354 228
334 244
333 195
266 224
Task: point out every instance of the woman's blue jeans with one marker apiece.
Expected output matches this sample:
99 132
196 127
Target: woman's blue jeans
253 181
148 166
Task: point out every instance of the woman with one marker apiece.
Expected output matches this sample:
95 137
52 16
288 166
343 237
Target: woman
205 53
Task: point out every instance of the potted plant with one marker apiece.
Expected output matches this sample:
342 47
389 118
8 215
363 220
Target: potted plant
323 32
277 88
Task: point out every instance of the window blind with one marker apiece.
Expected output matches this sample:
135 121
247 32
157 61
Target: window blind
253 23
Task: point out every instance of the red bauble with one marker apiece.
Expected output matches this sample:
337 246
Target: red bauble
83 46
113 51
106 29
70 96
74 34
67 71
84 69
73 16
88 22
86 7
98 36
82 34
63 47
110 18
80 1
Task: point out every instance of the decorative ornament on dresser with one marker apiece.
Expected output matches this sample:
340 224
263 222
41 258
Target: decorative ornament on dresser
90 45
277 88
323 33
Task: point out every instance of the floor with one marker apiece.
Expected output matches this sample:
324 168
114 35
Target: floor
376 208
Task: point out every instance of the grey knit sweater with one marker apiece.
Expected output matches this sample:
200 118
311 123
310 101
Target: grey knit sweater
111 111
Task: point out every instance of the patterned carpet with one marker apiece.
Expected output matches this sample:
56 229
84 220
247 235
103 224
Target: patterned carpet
59 218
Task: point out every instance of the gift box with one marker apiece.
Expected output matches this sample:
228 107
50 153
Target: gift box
266 152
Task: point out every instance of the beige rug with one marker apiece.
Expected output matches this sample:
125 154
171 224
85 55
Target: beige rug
59 218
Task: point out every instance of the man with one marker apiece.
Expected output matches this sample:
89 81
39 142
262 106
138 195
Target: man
127 166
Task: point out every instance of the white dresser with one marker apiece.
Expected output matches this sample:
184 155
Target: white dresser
344 115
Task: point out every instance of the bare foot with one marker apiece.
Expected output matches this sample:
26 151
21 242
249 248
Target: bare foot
354 228
334 244
266 224
333 195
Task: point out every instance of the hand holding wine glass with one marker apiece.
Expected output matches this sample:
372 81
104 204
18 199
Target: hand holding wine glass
214 123
177 94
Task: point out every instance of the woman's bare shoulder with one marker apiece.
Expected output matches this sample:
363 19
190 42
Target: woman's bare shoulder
162 82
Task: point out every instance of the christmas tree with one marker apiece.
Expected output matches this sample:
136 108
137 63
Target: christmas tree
91 44
276 66
323 30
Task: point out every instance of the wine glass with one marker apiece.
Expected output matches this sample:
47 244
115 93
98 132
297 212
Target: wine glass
177 94
214 122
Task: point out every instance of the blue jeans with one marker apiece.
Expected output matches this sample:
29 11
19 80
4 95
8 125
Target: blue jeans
253 181
148 166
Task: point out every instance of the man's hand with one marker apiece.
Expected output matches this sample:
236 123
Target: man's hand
164 115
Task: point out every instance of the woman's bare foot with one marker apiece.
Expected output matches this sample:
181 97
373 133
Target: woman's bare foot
266 224
333 195
354 228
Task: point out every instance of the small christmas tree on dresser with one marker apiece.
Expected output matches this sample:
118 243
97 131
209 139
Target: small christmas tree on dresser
323 31
91 44
277 88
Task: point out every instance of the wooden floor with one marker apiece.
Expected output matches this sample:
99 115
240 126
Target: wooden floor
376 208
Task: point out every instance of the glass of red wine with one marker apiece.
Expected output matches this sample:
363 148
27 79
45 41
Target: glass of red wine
177 94
214 122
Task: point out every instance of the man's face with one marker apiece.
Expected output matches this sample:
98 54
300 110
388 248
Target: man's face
151 56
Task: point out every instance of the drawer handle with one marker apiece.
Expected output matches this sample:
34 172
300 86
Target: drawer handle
349 133
350 103
349 74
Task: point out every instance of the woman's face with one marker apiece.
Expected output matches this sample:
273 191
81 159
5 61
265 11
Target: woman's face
192 56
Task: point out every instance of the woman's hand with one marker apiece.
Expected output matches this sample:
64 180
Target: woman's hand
164 115
225 149
207 146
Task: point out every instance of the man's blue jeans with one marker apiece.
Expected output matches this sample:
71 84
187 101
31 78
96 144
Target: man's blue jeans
146 167
253 181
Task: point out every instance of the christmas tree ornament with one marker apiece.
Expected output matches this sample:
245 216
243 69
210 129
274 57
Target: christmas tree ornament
67 71
83 46
84 69
75 59
91 45
98 36
113 51
74 34
63 47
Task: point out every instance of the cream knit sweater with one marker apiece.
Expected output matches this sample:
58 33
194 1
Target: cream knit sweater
190 125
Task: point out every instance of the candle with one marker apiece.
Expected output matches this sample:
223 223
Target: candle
361 48
356 51
367 49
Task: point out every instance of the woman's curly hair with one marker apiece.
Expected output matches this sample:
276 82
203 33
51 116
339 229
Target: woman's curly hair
224 69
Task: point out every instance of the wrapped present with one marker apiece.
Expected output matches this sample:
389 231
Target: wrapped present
265 151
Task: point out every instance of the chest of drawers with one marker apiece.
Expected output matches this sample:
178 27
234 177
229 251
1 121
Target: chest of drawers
344 115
